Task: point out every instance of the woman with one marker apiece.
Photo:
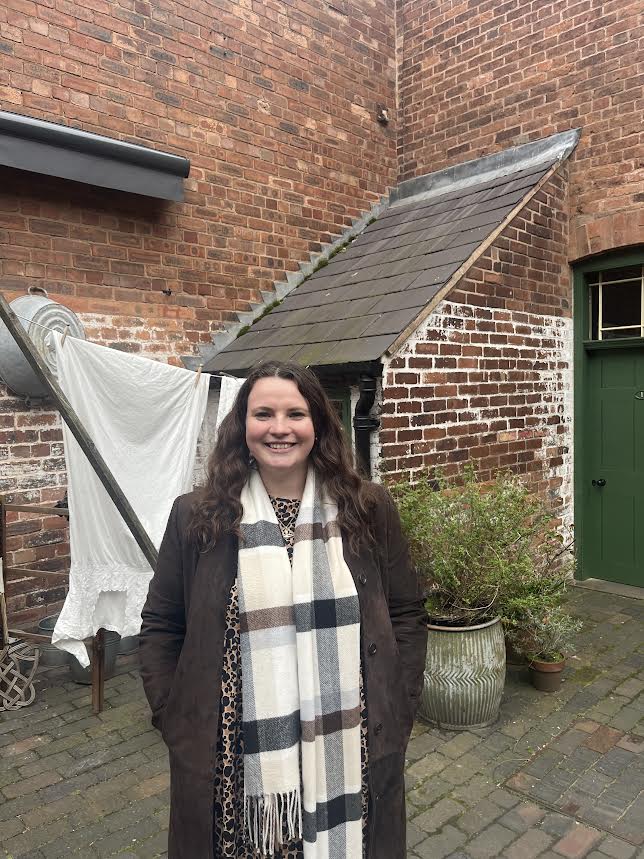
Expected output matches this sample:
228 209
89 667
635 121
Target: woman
283 641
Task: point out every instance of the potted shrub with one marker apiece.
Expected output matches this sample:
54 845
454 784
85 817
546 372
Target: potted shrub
548 639
485 552
537 587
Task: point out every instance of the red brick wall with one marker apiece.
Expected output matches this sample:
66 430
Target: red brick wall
32 471
488 377
274 104
477 77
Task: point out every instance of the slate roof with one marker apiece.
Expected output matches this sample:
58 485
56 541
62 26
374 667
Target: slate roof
353 309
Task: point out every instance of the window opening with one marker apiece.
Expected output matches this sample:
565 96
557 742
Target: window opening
616 303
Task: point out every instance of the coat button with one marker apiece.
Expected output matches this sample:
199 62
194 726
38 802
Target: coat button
378 728
372 649
362 579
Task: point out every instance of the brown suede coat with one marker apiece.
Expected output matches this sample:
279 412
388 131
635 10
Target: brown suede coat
181 659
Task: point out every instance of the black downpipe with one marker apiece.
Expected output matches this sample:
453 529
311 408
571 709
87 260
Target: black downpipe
364 424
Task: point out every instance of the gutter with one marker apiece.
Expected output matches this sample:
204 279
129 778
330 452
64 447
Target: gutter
51 149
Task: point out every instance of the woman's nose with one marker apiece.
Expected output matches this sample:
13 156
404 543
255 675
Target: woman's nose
279 425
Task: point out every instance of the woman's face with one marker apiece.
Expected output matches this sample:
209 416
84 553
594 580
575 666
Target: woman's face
279 428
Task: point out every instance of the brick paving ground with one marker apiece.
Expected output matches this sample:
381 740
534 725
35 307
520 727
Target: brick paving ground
557 776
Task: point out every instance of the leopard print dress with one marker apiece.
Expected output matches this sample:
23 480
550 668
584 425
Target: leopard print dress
229 833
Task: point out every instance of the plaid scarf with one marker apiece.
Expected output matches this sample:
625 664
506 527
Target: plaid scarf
300 652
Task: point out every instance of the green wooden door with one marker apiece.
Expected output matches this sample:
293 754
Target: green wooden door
614 445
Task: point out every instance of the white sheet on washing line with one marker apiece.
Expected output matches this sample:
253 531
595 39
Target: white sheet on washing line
227 395
144 418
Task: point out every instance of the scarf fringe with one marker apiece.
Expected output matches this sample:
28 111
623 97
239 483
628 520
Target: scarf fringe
268 816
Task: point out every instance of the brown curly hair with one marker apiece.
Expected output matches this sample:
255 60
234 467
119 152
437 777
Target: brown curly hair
218 510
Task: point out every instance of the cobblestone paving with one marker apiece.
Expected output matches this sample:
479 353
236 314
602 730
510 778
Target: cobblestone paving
594 773
557 775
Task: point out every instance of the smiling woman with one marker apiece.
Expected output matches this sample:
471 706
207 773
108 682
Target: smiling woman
279 435
283 641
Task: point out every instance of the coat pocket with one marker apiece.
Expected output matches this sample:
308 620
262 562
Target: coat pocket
404 705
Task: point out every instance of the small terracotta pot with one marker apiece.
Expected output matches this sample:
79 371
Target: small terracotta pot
546 676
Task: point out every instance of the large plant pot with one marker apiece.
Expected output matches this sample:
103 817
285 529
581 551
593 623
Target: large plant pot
464 675
546 676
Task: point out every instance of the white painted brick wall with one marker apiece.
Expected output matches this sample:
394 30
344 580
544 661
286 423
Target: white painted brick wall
543 353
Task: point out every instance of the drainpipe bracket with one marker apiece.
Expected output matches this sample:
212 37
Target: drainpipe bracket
365 422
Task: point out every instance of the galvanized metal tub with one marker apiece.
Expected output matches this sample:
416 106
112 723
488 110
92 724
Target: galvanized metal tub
50 656
129 644
84 675
37 314
464 675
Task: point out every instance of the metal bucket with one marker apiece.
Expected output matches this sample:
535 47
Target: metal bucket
128 645
37 313
50 656
84 675
464 675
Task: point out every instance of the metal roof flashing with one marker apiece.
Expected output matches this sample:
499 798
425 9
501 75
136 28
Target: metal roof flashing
526 156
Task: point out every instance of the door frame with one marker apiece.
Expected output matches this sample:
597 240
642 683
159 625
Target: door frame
581 320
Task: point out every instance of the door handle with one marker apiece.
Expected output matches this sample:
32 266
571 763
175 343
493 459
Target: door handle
601 482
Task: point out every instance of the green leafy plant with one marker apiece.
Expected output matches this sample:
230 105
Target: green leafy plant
551 635
484 549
